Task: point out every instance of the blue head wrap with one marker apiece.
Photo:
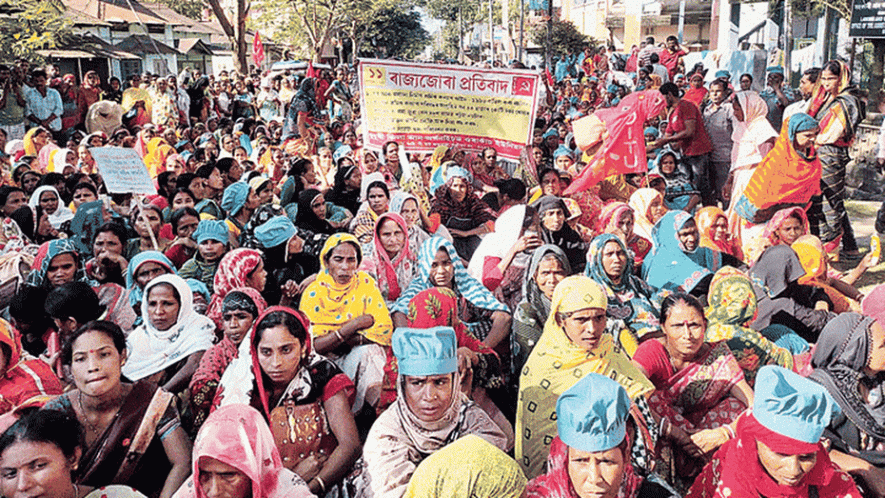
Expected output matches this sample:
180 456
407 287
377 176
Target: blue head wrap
562 150
592 414
234 197
722 74
551 132
651 130
792 405
423 352
275 231
211 230
775 70
800 122
135 292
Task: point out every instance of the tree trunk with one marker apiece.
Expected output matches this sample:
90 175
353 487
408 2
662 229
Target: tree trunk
876 71
240 62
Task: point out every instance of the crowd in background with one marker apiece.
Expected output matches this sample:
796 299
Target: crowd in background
641 304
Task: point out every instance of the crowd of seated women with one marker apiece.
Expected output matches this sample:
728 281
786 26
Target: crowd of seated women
324 320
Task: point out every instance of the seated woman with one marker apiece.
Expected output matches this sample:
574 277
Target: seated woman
238 269
618 218
376 200
349 320
52 204
590 455
470 467
464 214
239 309
501 258
548 266
107 263
291 255
54 441
632 303
676 262
782 299
57 263
732 306
184 222
840 294
848 362
25 381
391 262
116 412
574 343
312 213
420 225
439 266
430 411
777 450
681 193
147 219
478 364
166 348
346 190
648 207
784 227
151 264
235 452
213 242
290 381
713 228
699 387
554 230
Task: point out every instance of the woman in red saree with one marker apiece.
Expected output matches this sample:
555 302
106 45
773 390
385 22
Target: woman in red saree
699 386
776 451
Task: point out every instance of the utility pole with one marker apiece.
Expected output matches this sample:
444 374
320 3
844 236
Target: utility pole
547 54
521 27
492 32
681 30
788 40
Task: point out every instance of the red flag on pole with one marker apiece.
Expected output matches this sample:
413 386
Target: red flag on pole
311 72
257 50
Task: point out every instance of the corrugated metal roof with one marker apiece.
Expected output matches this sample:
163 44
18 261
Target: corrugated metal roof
185 45
143 44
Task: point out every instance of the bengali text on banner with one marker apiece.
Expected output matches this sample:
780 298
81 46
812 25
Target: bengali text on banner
423 106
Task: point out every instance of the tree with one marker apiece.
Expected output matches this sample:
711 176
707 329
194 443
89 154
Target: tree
31 25
235 29
187 8
564 37
395 33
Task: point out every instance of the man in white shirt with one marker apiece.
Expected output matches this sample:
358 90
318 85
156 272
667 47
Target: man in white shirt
43 105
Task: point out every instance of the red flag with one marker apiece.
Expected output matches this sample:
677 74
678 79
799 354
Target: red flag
311 72
621 131
549 77
257 50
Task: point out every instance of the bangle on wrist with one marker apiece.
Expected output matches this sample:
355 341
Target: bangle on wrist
322 485
338 335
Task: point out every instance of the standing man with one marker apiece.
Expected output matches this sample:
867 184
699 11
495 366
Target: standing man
685 130
12 105
777 96
671 54
43 105
719 123
806 86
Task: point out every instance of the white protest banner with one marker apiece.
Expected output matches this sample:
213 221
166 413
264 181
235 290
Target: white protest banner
123 170
422 106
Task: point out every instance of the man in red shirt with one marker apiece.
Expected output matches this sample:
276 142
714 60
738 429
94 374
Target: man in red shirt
686 132
671 54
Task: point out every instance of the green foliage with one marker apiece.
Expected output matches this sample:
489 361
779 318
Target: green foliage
31 25
394 33
564 37
187 8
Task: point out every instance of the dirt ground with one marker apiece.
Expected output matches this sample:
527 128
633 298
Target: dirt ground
863 217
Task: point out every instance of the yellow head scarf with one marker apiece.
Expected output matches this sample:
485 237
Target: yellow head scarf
556 364
329 305
30 146
470 467
813 257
